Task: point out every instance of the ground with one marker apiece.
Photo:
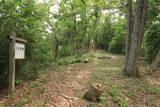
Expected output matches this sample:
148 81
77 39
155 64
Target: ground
66 86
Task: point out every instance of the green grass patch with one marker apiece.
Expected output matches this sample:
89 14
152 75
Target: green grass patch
33 84
154 90
40 104
70 60
152 101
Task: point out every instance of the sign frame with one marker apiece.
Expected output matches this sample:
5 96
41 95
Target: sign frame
13 40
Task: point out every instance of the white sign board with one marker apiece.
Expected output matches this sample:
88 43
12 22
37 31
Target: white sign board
19 50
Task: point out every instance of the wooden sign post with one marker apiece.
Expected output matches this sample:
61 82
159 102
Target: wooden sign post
15 52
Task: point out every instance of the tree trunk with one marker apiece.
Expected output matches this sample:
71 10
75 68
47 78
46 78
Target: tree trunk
137 37
155 63
129 31
56 49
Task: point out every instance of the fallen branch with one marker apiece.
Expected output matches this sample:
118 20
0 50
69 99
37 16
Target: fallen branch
67 97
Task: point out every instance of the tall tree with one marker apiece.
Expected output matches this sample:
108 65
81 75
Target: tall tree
129 31
140 18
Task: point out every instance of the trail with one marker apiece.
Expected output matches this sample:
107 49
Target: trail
54 88
66 87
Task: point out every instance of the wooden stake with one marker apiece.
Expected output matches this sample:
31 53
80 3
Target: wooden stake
12 65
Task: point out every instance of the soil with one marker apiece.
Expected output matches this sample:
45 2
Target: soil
66 87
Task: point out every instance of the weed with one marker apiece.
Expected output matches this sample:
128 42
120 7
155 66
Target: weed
21 102
42 80
33 84
102 98
123 103
151 101
29 98
92 105
40 104
120 101
70 60
131 93
115 91
136 101
102 102
92 56
153 90
18 82
40 90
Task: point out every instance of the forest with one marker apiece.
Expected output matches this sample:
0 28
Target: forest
80 53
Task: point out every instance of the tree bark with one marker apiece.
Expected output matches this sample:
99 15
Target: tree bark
56 48
155 63
140 19
129 31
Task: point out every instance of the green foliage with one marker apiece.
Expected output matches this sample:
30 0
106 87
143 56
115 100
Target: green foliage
151 42
152 39
102 98
153 12
102 102
154 90
51 35
77 26
120 101
40 104
18 81
105 34
24 17
70 60
115 91
33 84
65 51
23 101
117 45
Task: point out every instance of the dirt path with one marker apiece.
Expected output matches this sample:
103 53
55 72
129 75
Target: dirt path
62 88
66 87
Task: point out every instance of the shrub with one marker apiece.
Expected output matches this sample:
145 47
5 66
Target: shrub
117 44
151 42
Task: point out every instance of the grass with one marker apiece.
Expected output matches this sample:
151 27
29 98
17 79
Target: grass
124 91
23 101
70 60
118 91
40 104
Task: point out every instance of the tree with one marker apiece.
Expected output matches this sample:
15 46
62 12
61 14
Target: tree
155 63
129 32
140 19
26 19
